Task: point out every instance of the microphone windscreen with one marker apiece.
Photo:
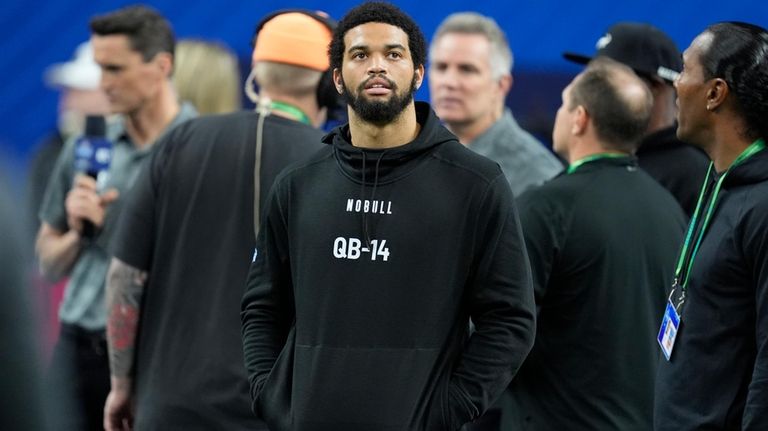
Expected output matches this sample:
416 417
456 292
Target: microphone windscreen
95 126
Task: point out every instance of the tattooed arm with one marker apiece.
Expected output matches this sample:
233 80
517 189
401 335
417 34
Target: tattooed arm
125 287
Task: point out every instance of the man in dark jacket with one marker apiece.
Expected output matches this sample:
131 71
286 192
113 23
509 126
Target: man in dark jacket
374 254
186 235
716 375
599 238
654 57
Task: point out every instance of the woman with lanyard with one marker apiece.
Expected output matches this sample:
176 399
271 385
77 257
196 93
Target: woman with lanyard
714 334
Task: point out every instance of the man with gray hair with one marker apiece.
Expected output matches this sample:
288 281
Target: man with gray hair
469 78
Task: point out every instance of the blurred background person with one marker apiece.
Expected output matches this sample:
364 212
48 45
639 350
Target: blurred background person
470 74
207 75
77 82
600 240
134 48
21 407
187 234
654 57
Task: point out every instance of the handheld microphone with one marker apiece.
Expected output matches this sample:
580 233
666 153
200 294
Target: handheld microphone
93 155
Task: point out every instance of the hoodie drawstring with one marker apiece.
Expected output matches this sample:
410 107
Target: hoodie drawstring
364 219
366 233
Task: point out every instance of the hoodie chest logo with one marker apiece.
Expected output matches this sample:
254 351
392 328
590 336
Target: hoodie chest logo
367 206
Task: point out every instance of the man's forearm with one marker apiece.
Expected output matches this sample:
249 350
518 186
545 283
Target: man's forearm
57 251
125 287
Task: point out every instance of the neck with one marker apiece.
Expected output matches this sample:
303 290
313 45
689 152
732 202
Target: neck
468 132
661 118
146 124
400 131
584 150
663 111
726 142
305 104
723 154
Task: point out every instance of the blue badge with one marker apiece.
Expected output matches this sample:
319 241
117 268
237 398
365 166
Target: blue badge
668 331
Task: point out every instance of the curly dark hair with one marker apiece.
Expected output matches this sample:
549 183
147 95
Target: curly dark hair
148 32
382 12
738 54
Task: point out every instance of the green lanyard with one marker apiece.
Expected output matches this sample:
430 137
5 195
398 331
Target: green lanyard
756 147
577 164
291 110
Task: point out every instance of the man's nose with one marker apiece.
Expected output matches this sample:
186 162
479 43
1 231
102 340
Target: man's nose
105 82
446 77
377 65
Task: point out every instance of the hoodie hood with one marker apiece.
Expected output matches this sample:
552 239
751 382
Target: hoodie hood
753 170
375 167
381 166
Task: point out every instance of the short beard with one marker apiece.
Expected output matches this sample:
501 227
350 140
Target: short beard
375 112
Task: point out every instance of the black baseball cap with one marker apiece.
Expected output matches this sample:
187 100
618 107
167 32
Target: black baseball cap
643 47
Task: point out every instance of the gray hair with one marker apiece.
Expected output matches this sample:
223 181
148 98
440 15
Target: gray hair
501 59
287 79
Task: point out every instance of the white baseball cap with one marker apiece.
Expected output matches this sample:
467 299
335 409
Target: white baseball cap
81 73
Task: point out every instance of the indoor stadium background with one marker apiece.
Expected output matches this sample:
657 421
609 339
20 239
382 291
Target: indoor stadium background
35 34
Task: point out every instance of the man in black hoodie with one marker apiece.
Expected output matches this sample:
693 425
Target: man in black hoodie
374 254
716 375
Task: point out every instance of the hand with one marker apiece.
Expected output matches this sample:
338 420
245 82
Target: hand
118 410
84 203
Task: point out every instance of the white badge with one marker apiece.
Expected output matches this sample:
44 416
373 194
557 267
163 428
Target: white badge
668 331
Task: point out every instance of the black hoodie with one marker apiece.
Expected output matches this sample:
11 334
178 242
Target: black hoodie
677 166
368 267
717 378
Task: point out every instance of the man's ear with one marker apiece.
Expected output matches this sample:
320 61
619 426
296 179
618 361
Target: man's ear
419 72
164 61
505 84
580 121
717 93
337 81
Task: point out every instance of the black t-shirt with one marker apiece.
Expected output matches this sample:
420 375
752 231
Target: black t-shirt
189 223
602 243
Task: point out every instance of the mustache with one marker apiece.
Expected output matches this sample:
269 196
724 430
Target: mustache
390 82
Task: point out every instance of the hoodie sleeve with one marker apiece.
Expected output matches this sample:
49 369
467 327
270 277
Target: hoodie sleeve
267 310
756 252
501 306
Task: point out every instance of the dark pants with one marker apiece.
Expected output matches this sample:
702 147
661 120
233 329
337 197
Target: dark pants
79 377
